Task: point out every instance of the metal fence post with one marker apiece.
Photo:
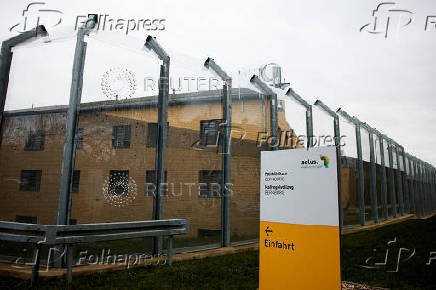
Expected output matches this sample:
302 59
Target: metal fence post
427 188
226 150
373 173
162 134
360 176
405 183
337 134
6 60
360 179
309 127
411 185
391 180
433 191
72 119
170 250
384 187
399 182
421 189
273 109
309 118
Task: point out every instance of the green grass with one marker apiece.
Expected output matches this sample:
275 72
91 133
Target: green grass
413 274
225 272
240 271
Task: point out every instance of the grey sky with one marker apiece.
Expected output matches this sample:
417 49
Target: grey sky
387 82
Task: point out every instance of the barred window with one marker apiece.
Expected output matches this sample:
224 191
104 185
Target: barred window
209 183
121 136
30 180
35 140
210 132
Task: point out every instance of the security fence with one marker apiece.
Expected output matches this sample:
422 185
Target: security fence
138 132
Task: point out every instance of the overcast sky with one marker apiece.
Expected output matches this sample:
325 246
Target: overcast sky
385 81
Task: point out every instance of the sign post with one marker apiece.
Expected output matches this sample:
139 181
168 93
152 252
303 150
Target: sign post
299 223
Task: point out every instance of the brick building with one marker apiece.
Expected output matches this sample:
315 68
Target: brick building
116 155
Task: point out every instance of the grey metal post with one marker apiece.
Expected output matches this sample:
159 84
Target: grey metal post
421 188
399 182
434 188
426 188
337 134
424 191
162 134
433 191
360 177
226 151
391 180
35 267
418 188
170 250
373 174
384 189
6 60
361 185
430 198
411 185
405 183
69 263
68 154
273 109
309 118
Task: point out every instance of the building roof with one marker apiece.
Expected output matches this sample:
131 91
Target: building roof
142 102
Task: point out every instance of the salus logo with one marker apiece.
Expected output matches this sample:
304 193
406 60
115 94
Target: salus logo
326 160
310 163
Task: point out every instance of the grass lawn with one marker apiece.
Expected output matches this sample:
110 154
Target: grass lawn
240 271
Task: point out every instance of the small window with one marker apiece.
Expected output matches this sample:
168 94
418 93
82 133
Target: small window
210 132
26 219
79 138
76 181
152 134
35 140
150 189
209 183
121 137
30 180
119 182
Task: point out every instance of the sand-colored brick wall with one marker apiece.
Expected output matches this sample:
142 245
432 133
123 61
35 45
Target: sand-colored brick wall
97 158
